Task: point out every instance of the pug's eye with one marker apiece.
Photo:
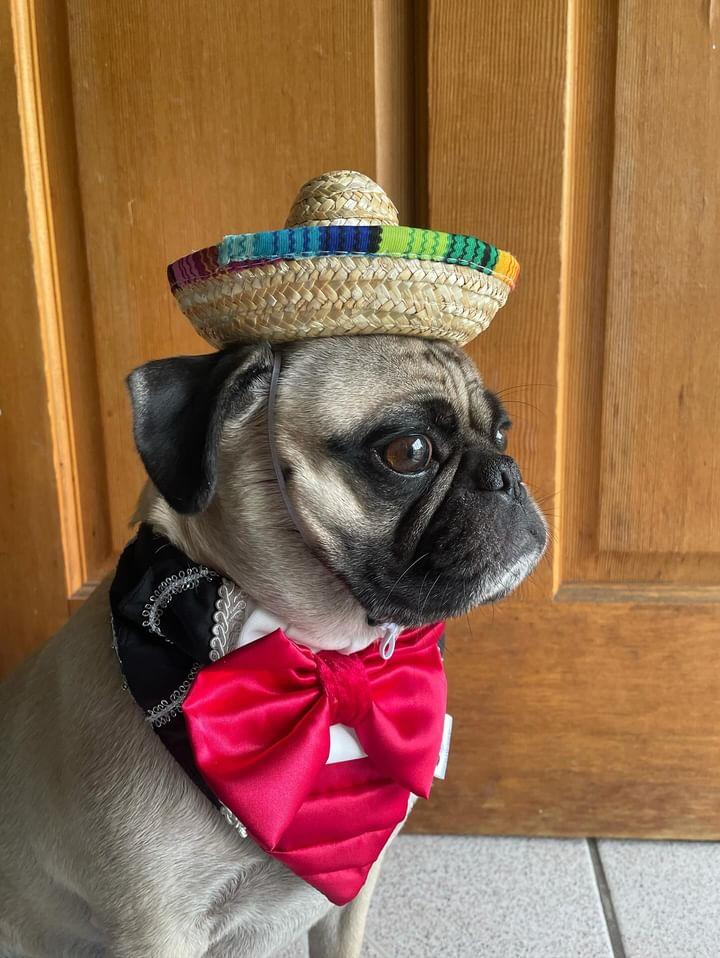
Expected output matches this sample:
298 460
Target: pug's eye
501 439
408 454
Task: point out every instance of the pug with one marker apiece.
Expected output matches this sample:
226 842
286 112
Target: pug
394 501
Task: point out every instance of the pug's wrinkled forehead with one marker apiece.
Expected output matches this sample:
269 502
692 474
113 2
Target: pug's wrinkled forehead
349 387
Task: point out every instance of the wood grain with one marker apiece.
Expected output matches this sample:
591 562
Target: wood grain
582 720
496 100
189 127
32 570
586 237
670 593
625 507
65 215
49 311
661 401
394 89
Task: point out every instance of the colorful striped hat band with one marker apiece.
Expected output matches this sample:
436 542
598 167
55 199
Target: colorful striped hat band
342 266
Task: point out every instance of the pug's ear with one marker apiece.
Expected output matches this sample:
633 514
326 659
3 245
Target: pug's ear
179 407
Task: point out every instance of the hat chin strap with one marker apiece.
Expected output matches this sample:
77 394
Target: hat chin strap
272 432
389 630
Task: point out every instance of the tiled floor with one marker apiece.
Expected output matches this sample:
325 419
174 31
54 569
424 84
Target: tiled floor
448 897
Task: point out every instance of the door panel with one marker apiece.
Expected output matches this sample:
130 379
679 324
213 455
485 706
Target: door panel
640 404
661 404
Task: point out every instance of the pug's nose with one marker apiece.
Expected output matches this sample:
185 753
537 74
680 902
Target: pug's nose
496 473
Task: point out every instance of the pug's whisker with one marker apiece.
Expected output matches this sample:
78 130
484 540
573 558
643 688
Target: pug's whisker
467 614
403 574
521 402
534 583
510 389
427 596
507 571
446 593
550 495
465 599
446 590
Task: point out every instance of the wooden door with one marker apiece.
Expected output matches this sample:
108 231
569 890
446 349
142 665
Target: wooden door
585 136
581 136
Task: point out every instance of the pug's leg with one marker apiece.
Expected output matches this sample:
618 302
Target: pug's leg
340 933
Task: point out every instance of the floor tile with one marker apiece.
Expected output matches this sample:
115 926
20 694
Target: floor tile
439 897
371 950
666 897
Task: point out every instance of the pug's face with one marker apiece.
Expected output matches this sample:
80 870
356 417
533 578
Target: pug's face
394 457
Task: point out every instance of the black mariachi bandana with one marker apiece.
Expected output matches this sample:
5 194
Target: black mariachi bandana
171 616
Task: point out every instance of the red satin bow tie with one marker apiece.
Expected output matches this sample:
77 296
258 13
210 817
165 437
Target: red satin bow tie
259 724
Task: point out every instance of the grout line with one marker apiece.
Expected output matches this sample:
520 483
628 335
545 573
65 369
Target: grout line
376 948
613 927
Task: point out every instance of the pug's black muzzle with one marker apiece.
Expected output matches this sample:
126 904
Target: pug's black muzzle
483 539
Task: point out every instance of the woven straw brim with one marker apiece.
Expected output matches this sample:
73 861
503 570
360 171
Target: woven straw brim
288 300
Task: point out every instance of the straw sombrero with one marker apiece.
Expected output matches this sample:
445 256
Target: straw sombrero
342 266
